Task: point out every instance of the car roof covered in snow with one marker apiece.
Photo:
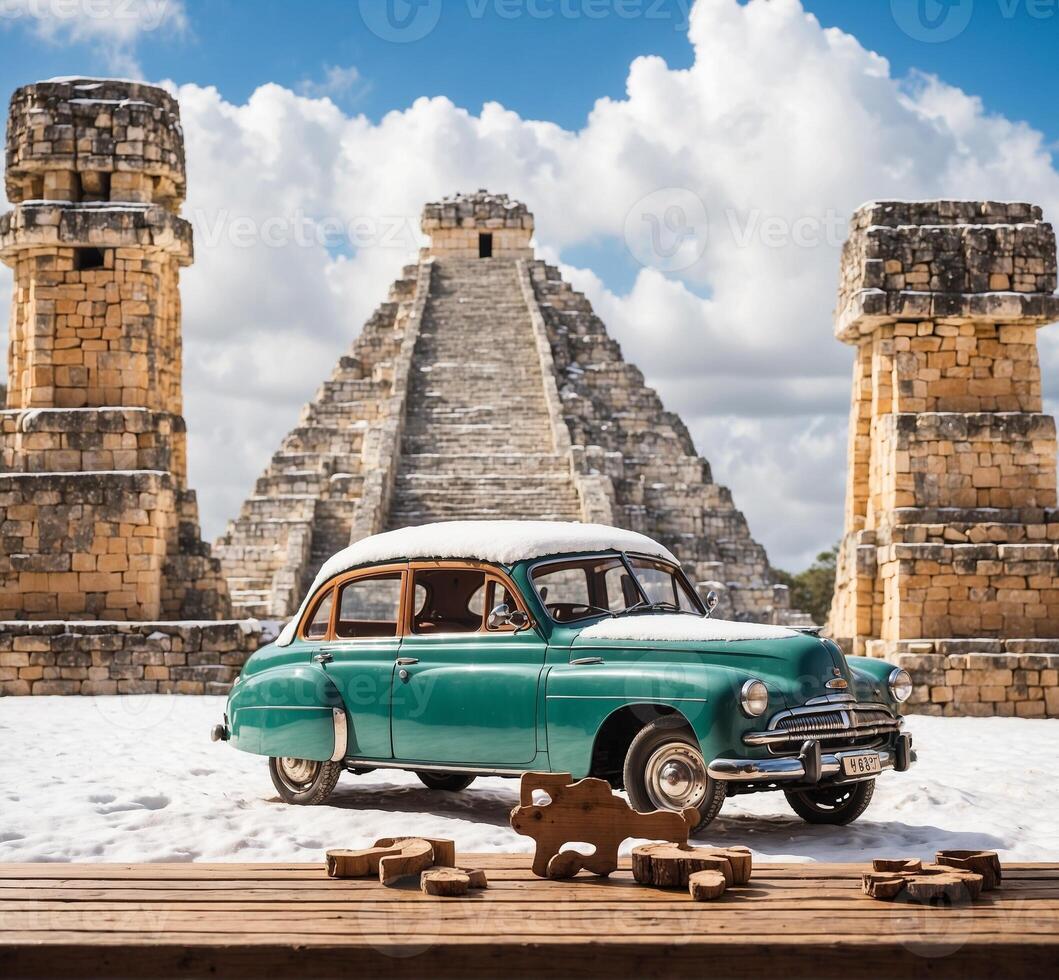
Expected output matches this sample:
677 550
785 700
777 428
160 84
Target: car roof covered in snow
502 542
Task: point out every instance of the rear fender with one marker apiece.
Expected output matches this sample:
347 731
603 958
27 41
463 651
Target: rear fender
292 710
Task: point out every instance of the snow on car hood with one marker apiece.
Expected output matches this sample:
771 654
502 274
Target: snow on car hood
682 629
503 542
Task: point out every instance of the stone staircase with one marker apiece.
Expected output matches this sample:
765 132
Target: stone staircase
478 441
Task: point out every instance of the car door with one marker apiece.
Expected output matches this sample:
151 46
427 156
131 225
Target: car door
360 652
465 693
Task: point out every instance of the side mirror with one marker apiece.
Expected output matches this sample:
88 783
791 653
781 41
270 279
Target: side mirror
712 598
503 615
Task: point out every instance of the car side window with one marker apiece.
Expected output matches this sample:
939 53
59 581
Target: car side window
369 606
452 603
321 618
563 590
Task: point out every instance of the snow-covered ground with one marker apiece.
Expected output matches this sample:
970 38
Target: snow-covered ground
137 779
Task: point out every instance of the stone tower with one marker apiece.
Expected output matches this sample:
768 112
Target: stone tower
949 562
97 520
485 387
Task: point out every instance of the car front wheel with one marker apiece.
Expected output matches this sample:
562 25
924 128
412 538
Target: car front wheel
664 770
303 781
832 805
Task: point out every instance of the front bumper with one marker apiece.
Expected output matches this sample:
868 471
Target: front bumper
810 765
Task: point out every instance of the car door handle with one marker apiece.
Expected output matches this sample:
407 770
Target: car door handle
586 661
324 658
407 661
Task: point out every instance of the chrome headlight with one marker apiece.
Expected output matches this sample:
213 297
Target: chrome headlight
900 684
754 698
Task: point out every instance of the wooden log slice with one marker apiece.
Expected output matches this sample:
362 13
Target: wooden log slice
883 885
445 882
897 864
451 882
444 850
670 865
357 864
932 887
972 882
739 858
565 864
984 863
415 854
705 885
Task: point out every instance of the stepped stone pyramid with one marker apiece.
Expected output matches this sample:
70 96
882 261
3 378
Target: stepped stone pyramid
486 387
96 516
950 561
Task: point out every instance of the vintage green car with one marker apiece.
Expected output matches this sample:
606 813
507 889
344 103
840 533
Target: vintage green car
494 647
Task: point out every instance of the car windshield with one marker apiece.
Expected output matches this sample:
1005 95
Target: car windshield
612 585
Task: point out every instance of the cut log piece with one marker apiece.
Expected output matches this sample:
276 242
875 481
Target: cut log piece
897 864
932 887
414 855
705 885
671 866
444 850
739 858
984 863
357 864
565 864
883 884
451 882
589 811
971 881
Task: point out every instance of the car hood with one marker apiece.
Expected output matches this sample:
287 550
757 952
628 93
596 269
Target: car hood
795 665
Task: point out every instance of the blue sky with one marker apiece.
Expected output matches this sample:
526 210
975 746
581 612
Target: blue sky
551 61
788 124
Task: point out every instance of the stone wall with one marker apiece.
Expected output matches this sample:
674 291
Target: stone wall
951 546
45 658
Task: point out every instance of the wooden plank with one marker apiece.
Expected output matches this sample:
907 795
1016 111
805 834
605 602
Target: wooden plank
242 920
545 959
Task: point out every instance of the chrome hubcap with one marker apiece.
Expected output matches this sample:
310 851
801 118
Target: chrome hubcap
676 777
298 774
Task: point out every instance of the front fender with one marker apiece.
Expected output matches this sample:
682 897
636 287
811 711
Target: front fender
871 680
580 699
291 710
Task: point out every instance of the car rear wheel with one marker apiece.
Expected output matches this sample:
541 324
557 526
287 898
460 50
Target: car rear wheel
832 805
451 782
304 782
664 770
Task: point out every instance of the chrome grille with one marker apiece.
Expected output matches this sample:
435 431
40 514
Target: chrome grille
814 724
833 724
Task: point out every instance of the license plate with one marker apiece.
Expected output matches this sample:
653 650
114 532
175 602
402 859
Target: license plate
861 765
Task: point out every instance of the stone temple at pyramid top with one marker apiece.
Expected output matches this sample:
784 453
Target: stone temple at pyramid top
486 387
479 225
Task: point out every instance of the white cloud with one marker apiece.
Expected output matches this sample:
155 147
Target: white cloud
112 27
780 128
338 83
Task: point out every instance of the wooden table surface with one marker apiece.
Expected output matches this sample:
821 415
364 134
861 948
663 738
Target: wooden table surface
290 920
